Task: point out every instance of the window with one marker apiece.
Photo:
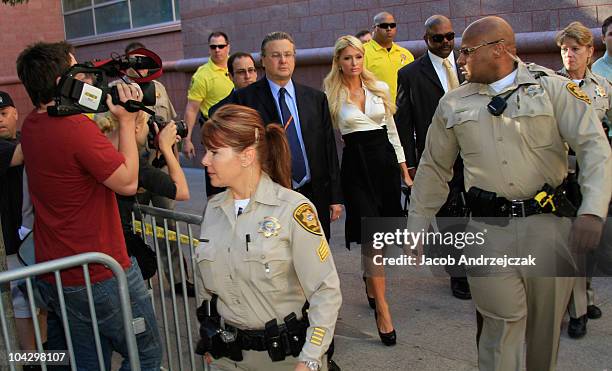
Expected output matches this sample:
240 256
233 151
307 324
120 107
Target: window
96 17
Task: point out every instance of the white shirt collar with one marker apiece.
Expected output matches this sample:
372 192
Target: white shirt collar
437 60
503 83
275 88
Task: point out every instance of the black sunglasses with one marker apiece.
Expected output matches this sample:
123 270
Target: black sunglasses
439 37
222 46
387 26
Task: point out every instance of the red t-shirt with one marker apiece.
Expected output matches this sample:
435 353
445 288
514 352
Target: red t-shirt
67 160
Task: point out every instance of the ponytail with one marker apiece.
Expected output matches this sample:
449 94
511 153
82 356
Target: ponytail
278 158
240 127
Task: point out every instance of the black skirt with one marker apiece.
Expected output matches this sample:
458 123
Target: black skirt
370 180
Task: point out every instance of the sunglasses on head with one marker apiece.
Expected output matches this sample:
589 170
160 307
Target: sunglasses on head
439 37
387 26
221 46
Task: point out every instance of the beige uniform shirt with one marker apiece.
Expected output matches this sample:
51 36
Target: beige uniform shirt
600 92
287 262
516 153
163 106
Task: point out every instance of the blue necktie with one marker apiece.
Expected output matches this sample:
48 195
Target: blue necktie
298 165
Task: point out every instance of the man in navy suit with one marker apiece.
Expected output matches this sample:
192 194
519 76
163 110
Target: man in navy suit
304 113
420 85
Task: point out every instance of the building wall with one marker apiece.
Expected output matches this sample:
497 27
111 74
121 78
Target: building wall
313 23
318 23
38 20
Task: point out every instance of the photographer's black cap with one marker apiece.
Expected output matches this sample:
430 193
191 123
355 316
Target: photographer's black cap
5 100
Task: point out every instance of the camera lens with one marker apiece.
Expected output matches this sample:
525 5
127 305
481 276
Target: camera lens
181 129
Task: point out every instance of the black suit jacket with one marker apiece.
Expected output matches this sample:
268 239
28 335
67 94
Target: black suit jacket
317 133
418 92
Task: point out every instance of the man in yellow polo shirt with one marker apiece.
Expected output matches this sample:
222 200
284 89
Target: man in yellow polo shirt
383 57
209 85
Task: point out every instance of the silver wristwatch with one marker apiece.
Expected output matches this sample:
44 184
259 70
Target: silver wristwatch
312 365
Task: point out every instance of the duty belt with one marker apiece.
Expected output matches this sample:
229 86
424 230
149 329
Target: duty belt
487 207
224 340
256 339
486 204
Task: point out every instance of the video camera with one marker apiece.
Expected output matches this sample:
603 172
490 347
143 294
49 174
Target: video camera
83 88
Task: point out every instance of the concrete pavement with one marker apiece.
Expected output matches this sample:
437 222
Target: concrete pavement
435 330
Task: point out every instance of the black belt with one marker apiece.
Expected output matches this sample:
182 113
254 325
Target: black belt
521 208
486 205
253 339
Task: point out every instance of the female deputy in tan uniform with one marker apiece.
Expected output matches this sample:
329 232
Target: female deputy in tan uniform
264 264
576 43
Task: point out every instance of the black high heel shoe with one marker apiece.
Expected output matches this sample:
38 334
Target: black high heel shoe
387 338
371 301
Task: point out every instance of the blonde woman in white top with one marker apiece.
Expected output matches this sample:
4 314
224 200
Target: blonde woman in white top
373 159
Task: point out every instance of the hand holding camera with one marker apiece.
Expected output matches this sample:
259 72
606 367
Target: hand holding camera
162 138
126 92
167 137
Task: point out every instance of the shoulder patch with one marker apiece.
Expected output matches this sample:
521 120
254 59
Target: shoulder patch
307 218
323 250
577 92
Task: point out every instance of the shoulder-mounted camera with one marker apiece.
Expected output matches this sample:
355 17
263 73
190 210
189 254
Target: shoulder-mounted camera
83 88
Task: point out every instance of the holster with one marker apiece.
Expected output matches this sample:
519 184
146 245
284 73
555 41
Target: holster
274 344
483 204
556 200
211 340
295 334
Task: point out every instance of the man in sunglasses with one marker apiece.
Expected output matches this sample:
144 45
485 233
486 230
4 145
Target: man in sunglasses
209 85
511 123
383 57
242 71
420 86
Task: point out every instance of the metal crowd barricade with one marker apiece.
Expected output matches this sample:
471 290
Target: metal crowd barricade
55 266
152 223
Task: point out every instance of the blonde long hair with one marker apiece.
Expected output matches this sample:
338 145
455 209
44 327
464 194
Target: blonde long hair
335 89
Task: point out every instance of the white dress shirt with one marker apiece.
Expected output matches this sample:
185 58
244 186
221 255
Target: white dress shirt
290 99
441 70
351 119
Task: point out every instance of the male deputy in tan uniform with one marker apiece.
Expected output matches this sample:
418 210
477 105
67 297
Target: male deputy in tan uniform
264 264
514 155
